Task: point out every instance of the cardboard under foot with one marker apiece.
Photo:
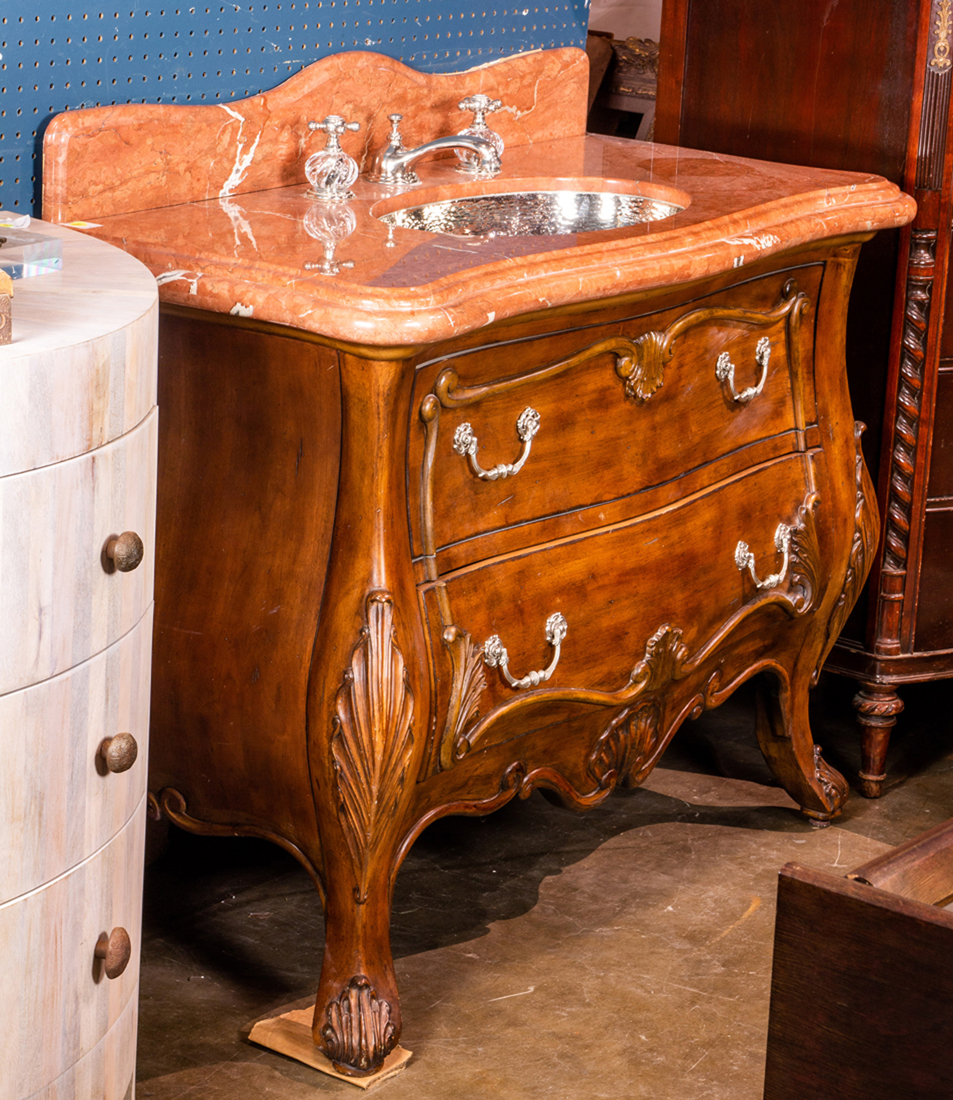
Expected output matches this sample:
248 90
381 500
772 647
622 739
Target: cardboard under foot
290 1034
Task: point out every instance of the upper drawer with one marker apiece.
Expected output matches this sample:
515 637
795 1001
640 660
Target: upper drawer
59 799
81 369
60 1002
590 417
58 604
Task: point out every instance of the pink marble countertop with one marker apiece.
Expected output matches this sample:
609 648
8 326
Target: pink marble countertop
246 253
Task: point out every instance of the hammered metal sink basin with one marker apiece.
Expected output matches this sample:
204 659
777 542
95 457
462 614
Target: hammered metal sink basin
531 213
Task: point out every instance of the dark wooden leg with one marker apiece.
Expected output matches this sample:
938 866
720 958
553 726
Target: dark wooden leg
784 734
877 708
368 706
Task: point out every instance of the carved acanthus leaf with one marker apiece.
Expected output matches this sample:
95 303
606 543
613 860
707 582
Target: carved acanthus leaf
664 660
866 530
833 785
805 558
625 751
644 370
359 1033
372 741
467 685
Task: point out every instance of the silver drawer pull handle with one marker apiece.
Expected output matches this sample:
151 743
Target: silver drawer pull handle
495 655
744 559
725 372
465 443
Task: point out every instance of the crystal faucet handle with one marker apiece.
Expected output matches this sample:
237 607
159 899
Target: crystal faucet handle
331 172
481 105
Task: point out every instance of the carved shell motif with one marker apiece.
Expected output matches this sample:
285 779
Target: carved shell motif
359 1032
664 660
625 749
644 370
372 741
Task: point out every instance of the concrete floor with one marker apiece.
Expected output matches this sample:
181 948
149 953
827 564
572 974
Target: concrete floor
540 953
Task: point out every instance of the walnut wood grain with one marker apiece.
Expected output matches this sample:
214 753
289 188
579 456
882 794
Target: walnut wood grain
373 711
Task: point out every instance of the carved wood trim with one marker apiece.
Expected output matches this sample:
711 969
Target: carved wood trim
643 371
372 740
359 1032
906 430
469 680
172 804
626 751
931 143
866 528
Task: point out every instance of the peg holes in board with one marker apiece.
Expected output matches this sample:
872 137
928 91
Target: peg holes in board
73 56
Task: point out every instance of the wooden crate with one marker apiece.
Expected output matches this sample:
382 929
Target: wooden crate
862 985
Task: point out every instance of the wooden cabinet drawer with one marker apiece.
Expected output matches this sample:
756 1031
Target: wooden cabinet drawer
59 605
61 802
65 1003
620 409
107 1071
618 586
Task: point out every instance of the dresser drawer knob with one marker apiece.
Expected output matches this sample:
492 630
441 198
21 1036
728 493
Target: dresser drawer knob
465 443
123 552
725 372
115 950
119 752
744 559
495 655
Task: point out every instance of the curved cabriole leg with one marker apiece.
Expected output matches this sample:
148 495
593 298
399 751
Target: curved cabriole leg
367 708
877 708
784 734
357 1013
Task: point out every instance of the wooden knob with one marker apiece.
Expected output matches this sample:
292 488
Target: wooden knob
115 950
119 752
125 552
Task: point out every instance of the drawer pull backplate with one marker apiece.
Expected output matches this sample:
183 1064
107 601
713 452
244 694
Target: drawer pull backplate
495 655
744 559
465 443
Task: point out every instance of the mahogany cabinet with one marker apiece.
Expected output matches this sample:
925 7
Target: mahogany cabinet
861 85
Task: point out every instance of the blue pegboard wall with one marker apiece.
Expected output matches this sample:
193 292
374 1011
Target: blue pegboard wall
59 54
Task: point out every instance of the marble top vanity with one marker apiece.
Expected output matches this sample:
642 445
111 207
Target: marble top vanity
443 520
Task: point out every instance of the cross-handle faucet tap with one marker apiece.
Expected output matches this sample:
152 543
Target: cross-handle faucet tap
392 166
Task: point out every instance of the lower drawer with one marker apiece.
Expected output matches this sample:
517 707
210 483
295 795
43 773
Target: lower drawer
58 1002
59 800
107 1072
616 588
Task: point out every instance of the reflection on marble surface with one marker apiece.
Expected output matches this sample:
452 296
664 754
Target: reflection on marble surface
248 254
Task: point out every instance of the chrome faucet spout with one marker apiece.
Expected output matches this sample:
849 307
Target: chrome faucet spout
393 166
